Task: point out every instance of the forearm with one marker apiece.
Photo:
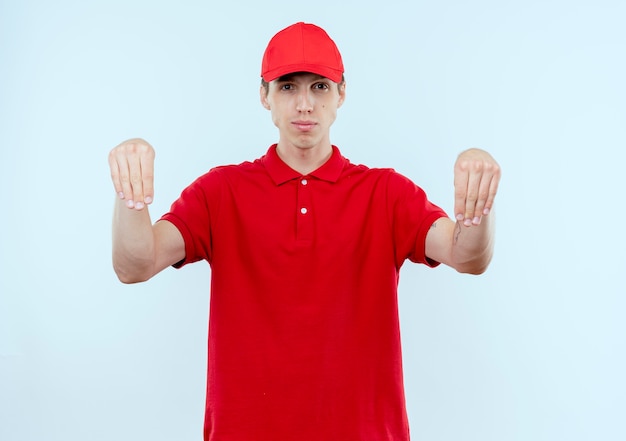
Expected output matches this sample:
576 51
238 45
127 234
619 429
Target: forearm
472 247
133 243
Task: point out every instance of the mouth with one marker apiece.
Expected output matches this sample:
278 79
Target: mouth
304 126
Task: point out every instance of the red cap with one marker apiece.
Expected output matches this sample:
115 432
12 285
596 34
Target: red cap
302 47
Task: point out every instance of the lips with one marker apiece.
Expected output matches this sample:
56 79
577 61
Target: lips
304 126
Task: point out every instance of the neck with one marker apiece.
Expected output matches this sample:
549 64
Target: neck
304 160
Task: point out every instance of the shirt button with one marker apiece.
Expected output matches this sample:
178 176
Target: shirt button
303 210
304 182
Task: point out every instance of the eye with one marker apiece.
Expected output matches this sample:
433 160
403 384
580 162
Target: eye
320 86
286 87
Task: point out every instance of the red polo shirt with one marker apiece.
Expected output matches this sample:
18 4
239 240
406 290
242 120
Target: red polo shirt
304 337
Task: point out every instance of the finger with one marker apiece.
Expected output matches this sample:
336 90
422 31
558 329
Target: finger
473 188
147 176
461 177
122 160
115 175
135 180
493 190
483 198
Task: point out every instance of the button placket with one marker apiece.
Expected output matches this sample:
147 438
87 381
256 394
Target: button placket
304 228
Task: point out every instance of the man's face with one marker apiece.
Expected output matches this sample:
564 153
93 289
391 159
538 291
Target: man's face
303 107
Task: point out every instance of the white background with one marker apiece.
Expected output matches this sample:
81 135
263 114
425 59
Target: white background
532 350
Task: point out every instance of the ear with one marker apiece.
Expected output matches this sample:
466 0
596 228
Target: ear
342 94
263 95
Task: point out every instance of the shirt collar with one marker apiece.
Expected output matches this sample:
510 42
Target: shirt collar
280 172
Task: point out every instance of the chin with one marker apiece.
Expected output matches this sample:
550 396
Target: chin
305 143
304 146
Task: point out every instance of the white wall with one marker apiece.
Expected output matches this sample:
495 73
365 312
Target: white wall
532 350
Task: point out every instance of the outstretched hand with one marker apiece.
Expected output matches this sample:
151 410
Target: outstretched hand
132 172
476 179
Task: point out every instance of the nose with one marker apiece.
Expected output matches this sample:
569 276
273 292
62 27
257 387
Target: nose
305 102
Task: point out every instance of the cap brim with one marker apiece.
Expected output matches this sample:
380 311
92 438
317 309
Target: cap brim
331 74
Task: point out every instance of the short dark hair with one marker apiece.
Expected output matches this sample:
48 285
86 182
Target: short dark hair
266 85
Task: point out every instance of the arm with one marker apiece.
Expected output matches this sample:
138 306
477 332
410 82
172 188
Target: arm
140 249
467 245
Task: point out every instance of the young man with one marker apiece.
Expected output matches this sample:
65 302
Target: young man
305 250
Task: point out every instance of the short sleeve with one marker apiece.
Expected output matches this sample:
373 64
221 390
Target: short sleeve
192 213
412 216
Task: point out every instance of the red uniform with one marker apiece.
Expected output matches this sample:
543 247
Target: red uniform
304 336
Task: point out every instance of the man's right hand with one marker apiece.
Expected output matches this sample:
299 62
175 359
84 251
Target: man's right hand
132 172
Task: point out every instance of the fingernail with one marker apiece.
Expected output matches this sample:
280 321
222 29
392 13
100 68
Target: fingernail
459 217
148 200
468 222
121 195
476 220
139 205
486 211
130 203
